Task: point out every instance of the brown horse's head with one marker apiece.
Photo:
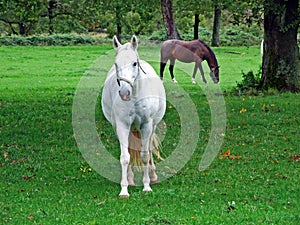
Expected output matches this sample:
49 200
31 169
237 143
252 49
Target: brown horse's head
214 74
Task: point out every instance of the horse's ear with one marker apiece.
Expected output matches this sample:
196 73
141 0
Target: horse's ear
134 42
116 42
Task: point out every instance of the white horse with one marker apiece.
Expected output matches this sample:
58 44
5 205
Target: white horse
133 99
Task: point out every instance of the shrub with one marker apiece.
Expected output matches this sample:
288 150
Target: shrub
249 83
55 39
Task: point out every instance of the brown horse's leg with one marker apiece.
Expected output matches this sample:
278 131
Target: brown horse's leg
202 73
194 73
171 69
162 68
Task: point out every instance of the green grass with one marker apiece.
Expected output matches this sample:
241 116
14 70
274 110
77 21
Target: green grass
45 180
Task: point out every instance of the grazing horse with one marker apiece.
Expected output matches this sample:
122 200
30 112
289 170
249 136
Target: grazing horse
189 51
134 102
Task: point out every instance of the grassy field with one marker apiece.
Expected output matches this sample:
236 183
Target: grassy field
44 178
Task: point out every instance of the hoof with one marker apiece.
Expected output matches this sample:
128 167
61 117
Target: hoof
147 189
174 81
124 196
124 193
131 184
154 181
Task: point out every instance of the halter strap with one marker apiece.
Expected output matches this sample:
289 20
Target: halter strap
138 60
126 80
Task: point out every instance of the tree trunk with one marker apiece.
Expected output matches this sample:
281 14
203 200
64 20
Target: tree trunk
22 29
216 27
51 7
167 13
196 27
280 67
118 22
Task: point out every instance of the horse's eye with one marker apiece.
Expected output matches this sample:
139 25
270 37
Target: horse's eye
134 64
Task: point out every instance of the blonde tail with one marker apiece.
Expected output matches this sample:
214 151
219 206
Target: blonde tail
135 147
155 146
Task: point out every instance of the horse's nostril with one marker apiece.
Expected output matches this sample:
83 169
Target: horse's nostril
125 96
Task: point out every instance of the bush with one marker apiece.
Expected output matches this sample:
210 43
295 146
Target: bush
240 36
55 39
249 84
158 35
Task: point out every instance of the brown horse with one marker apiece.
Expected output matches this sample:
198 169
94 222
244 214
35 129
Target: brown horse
189 51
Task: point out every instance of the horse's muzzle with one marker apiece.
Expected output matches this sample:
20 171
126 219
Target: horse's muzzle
125 96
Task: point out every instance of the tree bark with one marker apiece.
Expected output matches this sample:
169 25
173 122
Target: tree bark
118 21
51 7
280 69
22 29
168 17
196 27
216 27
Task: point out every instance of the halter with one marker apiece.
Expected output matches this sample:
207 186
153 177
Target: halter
128 81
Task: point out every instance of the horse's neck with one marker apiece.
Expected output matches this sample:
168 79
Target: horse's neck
211 61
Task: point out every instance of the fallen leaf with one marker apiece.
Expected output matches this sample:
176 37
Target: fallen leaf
234 157
295 158
227 155
243 110
31 217
5 154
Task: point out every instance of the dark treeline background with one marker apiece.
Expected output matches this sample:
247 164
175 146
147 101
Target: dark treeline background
219 22
30 17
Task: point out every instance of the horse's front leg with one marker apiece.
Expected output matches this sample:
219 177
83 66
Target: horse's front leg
194 73
152 174
123 134
202 72
146 132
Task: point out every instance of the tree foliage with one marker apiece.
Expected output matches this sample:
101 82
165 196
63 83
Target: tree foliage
113 17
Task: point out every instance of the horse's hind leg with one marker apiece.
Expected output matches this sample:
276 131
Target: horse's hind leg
153 176
162 68
130 176
134 150
171 69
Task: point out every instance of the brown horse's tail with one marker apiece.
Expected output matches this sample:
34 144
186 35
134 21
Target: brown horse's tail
135 147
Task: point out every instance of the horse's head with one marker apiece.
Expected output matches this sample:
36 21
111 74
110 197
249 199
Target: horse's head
214 74
127 67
